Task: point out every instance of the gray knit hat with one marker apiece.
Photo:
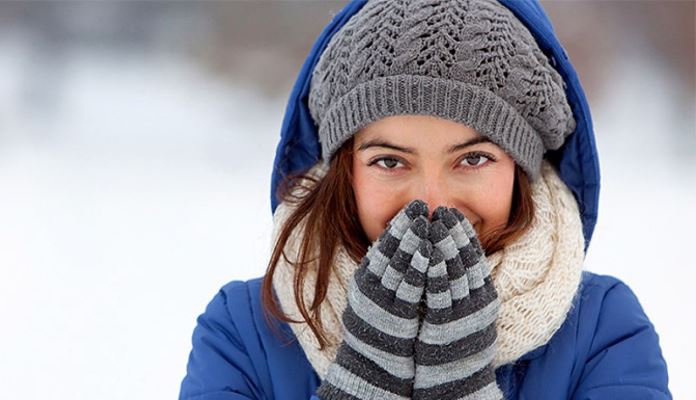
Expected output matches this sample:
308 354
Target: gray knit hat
469 61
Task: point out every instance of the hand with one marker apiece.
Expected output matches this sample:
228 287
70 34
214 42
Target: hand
455 346
375 360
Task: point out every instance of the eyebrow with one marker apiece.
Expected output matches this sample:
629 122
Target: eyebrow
383 143
470 142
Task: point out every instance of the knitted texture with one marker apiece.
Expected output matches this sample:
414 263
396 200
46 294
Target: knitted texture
455 346
537 275
375 360
468 61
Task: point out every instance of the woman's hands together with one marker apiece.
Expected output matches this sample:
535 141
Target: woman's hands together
420 318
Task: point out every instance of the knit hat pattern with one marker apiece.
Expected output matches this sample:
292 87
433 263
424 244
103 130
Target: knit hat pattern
469 61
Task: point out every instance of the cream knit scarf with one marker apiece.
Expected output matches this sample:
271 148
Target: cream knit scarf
536 277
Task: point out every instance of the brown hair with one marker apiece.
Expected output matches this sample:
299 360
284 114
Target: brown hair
328 207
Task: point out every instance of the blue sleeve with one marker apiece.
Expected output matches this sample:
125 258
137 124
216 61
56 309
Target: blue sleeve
219 367
227 361
625 360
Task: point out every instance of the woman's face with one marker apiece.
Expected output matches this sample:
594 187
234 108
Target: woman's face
406 157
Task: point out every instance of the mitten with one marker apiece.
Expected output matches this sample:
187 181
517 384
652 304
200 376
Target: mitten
455 346
380 322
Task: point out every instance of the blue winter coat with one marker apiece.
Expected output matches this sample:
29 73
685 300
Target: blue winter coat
606 349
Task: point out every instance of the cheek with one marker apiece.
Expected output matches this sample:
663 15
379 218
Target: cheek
492 203
376 203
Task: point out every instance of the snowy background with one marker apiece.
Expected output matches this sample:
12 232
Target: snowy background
136 143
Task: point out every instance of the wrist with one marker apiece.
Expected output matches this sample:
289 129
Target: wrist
340 381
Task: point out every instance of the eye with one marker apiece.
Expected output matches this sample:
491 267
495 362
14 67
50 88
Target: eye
388 163
476 160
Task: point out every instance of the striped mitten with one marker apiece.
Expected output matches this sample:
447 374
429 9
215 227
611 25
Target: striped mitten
375 359
455 346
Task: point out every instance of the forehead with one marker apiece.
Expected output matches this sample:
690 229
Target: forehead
415 126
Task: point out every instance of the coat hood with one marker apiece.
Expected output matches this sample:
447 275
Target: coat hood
576 161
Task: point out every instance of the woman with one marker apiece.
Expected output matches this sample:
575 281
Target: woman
434 191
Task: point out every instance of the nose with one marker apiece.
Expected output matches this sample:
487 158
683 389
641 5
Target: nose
434 191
